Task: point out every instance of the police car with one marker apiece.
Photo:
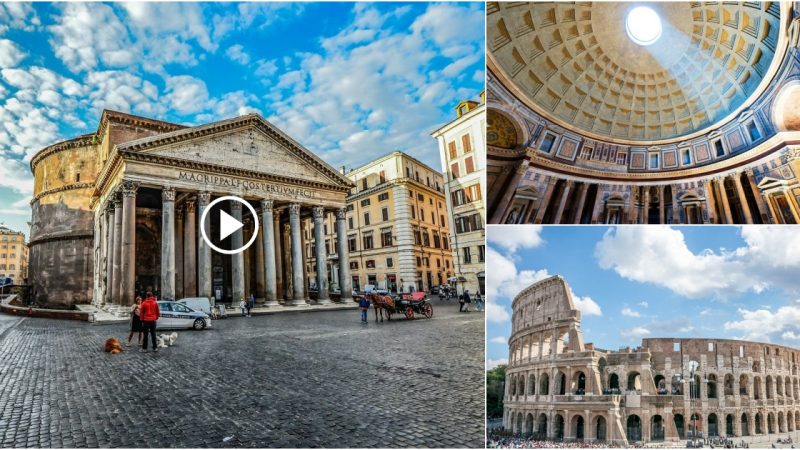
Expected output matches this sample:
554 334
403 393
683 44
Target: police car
178 315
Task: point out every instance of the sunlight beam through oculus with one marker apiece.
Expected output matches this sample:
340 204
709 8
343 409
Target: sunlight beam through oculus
643 25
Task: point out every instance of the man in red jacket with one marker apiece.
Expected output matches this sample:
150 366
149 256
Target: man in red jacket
149 313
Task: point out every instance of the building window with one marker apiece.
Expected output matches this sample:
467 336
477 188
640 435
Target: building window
386 238
366 218
451 146
11 267
389 262
466 144
349 223
752 129
547 142
349 207
365 202
621 159
686 157
382 176
654 160
438 263
437 242
586 152
417 237
467 255
426 238
454 170
420 197
481 253
368 241
441 219
433 218
385 214
413 212
468 223
78 177
364 184
422 214
383 197
427 262
419 261
351 244
719 148
445 242
468 167
354 265
370 263
408 172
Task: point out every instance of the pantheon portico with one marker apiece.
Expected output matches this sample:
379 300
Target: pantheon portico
150 187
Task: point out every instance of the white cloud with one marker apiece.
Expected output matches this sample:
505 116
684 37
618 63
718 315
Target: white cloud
790 336
630 313
265 68
18 15
497 313
634 333
586 305
492 363
499 340
514 237
10 54
16 175
762 324
237 54
504 279
631 252
644 304
186 94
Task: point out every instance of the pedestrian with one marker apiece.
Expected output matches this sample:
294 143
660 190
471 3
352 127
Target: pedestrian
149 313
251 305
363 305
136 323
467 300
243 307
478 302
461 303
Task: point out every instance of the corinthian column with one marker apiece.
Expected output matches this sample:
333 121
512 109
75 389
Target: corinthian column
189 252
128 255
116 282
179 214
319 247
168 243
748 217
345 282
298 289
270 271
276 225
563 202
110 245
237 260
203 250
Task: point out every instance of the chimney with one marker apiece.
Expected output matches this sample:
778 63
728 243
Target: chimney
343 170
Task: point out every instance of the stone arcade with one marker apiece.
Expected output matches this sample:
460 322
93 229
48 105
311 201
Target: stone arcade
117 213
558 387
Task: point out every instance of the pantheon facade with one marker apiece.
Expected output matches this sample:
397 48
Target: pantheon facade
589 124
559 387
117 213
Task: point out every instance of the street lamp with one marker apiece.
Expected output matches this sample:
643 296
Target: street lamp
693 366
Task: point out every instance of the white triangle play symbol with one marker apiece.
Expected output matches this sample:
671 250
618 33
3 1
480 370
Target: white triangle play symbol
227 225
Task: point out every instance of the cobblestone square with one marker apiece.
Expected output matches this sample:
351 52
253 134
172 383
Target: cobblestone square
285 380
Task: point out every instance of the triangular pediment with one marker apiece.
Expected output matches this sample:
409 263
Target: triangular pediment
768 182
248 143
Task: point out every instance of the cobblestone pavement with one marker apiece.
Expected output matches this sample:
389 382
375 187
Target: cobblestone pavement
290 380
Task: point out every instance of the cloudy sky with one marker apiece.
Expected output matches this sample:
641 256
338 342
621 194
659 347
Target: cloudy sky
349 81
653 281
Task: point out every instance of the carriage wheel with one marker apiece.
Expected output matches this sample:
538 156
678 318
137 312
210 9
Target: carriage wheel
409 313
428 310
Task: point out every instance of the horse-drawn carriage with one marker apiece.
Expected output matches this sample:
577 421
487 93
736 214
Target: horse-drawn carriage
407 304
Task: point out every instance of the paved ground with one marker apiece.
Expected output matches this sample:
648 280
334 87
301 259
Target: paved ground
290 380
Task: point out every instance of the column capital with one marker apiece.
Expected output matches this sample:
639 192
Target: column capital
236 206
294 209
190 206
266 204
319 212
129 188
168 194
179 212
203 197
110 205
117 200
341 213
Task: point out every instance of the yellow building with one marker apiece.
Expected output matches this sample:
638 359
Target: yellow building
397 229
462 152
13 255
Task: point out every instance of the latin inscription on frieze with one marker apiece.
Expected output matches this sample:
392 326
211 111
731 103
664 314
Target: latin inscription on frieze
248 185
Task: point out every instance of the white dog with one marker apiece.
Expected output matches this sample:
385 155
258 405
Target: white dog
167 340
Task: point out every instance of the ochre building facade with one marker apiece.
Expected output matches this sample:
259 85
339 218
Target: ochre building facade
584 126
117 213
667 389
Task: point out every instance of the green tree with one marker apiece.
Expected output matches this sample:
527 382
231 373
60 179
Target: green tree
495 387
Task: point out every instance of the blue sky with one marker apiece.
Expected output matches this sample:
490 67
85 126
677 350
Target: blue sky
350 81
632 282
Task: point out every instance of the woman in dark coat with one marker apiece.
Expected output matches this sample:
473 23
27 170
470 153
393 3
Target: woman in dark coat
136 323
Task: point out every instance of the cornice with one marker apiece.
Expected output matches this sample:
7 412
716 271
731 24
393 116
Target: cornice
67 187
67 237
80 141
137 121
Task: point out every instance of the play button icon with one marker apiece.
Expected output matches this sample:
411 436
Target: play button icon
228 225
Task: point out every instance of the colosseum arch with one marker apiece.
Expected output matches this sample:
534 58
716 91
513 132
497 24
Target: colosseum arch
558 427
544 384
660 382
778 386
541 426
770 387
743 384
529 424
680 426
771 423
613 381
531 384
561 383
577 425
728 384
711 386
757 395
578 385
713 425
633 428
634 381
520 385
759 429
744 425
599 428
656 428
789 421
729 420
781 423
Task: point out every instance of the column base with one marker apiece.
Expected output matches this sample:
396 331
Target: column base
271 303
345 299
297 302
324 301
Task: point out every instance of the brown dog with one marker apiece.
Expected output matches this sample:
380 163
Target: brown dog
113 346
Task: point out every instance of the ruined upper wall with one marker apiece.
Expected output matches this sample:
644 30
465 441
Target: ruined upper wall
544 302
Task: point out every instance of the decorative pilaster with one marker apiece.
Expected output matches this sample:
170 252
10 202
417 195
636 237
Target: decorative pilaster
237 259
179 215
128 254
190 252
662 218
168 243
116 282
259 255
345 281
319 247
203 250
278 239
110 246
269 254
298 289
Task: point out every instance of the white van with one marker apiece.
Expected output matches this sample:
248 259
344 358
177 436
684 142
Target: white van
197 304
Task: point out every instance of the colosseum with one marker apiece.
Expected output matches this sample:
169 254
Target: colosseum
667 389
